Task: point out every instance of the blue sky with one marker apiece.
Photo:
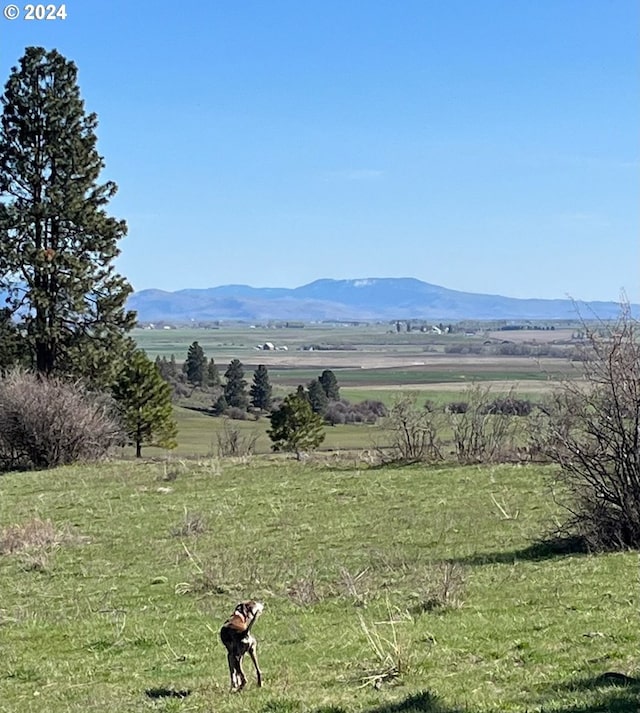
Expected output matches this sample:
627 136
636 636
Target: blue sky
482 145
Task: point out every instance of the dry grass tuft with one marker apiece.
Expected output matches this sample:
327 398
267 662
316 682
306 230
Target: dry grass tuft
35 541
444 588
394 657
34 535
193 524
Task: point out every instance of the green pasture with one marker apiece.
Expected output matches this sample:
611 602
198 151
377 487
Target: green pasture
439 398
165 342
387 590
198 435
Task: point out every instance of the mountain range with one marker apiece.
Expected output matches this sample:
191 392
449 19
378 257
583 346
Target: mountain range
357 300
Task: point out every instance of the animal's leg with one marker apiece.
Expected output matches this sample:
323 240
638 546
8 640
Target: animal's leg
240 673
254 658
232 669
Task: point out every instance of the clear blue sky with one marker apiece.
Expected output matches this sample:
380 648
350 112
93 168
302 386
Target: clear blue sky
482 145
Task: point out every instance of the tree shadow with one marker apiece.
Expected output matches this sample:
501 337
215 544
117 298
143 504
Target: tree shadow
423 702
166 693
207 411
613 692
536 552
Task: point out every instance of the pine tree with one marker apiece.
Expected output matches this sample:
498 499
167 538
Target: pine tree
162 366
294 426
195 365
57 244
213 375
235 389
317 397
173 370
260 391
330 385
145 402
11 342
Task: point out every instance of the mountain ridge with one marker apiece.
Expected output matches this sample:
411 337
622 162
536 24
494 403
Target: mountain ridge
372 298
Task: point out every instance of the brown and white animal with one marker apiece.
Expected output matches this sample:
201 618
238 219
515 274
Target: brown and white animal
236 636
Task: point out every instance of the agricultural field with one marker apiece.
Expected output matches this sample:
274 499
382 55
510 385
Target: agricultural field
386 590
371 362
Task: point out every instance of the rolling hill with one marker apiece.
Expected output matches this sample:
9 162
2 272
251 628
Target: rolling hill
361 299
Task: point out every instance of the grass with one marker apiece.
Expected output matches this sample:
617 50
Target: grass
198 433
154 557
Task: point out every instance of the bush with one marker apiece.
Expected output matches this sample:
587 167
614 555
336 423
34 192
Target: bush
414 432
236 414
47 422
509 406
591 428
368 411
232 443
458 407
480 436
220 405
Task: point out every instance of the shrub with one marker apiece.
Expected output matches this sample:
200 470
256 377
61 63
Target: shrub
47 422
458 407
220 405
591 428
231 442
368 411
509 406
414 432
236 414
480 436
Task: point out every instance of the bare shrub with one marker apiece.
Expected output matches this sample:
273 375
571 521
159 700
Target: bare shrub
478 435
414 432
342 411
47 422
233 443
336 413
237 414
591 428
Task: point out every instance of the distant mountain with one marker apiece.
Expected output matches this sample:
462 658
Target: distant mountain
365 299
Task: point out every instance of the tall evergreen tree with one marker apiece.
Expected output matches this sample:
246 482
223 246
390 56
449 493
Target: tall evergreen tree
235 388
213 375
57 243
11 342
330 384
294 426
317 397
260 391
173 370
145 402
195 365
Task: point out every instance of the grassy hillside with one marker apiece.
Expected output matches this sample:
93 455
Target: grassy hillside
114 581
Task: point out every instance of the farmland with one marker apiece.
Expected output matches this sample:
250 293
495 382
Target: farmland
370 362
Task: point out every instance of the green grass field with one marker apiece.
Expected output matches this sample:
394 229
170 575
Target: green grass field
422 579
198 435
